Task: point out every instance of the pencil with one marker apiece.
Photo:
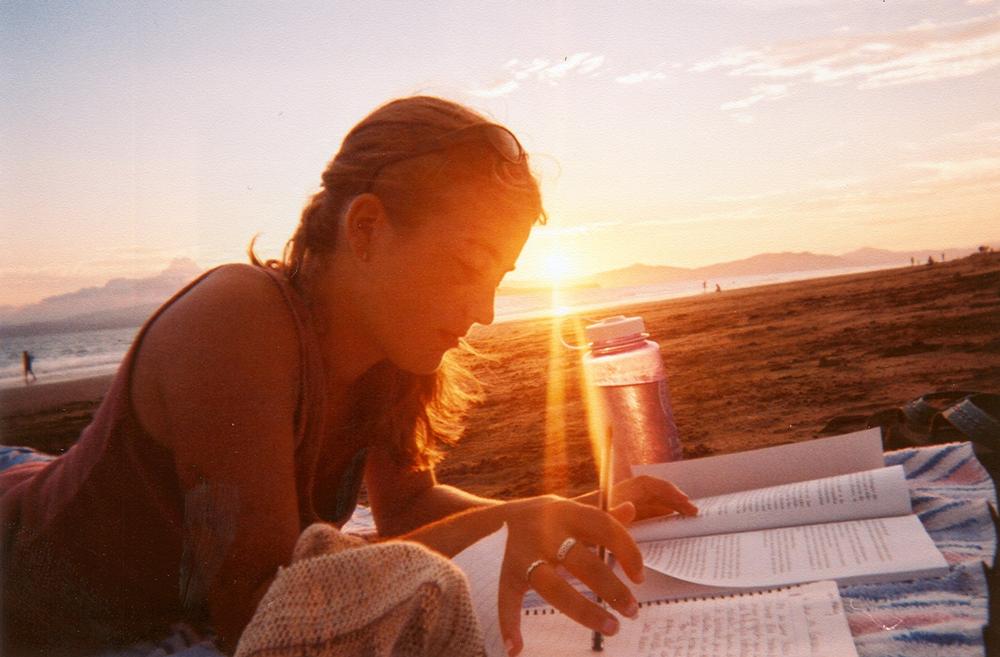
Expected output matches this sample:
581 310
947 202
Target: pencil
603 492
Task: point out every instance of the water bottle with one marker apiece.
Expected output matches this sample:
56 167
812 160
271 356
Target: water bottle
627 372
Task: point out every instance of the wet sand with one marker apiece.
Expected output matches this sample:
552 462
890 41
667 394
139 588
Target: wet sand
747 368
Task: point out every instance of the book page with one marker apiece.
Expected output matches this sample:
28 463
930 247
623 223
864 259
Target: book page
481 564
829 632
879 549
868 494
771 466
805 621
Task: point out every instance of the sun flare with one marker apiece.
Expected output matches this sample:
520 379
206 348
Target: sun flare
557 267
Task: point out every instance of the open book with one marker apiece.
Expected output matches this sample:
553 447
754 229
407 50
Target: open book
823 509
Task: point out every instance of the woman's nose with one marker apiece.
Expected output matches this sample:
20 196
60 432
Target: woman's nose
481 306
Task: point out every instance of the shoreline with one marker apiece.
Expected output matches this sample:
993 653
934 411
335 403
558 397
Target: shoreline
13 396
48 395
749 367
661 296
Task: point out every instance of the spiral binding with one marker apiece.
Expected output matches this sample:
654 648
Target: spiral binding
551 611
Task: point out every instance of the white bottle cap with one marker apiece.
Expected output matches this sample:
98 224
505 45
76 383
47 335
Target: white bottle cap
615 328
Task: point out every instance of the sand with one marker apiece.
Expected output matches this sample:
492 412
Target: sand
748 368
49 416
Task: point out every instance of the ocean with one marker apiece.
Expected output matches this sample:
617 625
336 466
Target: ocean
64 355
68 355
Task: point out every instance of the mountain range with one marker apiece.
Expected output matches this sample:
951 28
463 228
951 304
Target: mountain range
121 302
764 263
127 302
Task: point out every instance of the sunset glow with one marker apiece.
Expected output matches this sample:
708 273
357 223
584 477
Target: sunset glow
682 133
556 267
568 330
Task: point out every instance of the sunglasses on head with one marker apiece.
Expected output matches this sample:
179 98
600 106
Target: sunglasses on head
500 139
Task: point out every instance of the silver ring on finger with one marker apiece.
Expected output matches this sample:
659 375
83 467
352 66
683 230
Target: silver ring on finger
564 549
534 564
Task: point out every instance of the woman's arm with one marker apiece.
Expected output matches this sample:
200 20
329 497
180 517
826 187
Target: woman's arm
216 382
450 520
403 500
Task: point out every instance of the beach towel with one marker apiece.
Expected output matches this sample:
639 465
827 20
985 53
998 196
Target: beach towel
951 493
944 616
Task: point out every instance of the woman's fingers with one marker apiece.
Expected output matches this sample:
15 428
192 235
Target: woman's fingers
537 531
600 579
623 513
558 592
597 527
509 598
653 497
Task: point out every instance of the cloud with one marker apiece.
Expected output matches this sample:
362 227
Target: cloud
826 149
836 183
759 93
959 169
925 52
641 76
117 293
580 64
501 89
746 198
729 58
983 138
985 131
578 229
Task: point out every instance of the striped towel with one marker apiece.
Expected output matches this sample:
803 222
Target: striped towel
931 617
944 616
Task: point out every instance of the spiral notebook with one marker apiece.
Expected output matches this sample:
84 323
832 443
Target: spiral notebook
807 620
799 621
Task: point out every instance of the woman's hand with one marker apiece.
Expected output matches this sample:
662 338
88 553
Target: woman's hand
537 527
651 497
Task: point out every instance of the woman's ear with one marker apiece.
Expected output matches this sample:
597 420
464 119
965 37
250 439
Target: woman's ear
363 219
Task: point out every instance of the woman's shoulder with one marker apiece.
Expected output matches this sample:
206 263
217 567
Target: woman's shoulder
233 322
239 280
228 296
227 345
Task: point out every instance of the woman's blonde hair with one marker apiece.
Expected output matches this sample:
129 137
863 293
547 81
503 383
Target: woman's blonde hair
386 154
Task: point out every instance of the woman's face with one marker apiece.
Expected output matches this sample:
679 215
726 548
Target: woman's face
427 284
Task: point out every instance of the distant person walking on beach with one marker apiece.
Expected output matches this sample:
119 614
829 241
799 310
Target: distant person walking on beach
252 405
26 360
717 288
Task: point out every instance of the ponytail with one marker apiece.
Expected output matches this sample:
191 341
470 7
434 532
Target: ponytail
417 415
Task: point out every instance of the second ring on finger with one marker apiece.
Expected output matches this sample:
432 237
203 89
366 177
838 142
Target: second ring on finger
564 549
586 566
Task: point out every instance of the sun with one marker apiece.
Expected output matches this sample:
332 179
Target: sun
556 268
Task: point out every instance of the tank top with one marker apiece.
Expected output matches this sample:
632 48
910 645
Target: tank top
93 541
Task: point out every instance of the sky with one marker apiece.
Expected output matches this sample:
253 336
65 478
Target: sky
675 133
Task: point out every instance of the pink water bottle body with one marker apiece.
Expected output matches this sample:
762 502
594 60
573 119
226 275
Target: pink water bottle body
626 371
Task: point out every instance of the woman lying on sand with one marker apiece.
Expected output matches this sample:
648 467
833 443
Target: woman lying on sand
251 404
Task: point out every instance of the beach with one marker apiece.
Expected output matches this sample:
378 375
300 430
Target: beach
747 368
